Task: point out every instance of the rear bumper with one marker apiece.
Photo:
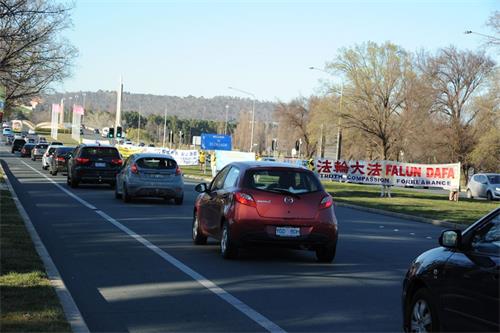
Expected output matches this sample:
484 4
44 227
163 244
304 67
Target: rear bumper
155 191
96 176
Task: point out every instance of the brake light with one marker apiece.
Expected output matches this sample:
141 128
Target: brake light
82 160
23 150
244 199
134 169
60 159
116 161
178 171
327 202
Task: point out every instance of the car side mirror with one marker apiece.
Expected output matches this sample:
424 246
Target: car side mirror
202 187
451 239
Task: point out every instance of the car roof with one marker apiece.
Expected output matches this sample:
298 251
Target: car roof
95 145
488 174
267 164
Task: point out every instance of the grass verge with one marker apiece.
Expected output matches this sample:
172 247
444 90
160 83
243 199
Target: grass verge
28 301
423 204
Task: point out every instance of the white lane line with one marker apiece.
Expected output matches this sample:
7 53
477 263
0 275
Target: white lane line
71 194
235 302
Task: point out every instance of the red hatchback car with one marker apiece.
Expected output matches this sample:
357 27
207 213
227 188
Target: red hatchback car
266 203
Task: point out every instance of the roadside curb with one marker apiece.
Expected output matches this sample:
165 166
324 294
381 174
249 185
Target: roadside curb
207 179
73 315
438 223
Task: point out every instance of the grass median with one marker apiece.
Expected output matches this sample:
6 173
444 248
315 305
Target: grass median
423 204
28 301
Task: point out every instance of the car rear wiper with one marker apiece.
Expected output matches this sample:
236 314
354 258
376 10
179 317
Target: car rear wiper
282 191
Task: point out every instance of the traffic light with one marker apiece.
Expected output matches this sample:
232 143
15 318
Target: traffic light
111 133
119 132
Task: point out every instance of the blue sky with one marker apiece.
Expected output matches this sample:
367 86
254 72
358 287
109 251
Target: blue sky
200 48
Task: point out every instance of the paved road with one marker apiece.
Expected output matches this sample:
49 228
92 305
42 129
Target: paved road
130 267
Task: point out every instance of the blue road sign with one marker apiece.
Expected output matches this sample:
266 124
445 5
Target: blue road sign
215 142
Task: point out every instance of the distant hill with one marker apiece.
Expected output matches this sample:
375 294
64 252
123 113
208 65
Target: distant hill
189 107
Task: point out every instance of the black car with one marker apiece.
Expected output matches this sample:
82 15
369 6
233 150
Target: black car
26 149
455 287
17 145
59 161
94 164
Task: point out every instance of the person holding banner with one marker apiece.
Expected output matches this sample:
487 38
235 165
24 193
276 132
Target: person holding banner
213 164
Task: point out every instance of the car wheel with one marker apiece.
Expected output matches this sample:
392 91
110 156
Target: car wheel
117 195
179 201
73 183
54 173
198 237
326 253
469 194
227 247
45 167
112 185
126 197
50 172
489 196
68 181
421 315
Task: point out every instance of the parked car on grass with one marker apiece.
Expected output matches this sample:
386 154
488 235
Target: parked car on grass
266 203
59 161
26 149
456 287
17 144
484 185
150 175
39 150
93 164
47 156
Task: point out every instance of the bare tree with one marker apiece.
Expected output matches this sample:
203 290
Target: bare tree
32 52
454 77
375 91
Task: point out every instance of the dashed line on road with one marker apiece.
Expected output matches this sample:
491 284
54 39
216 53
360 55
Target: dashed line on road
233 301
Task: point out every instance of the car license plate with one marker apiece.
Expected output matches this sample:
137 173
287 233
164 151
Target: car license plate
100 164
287 232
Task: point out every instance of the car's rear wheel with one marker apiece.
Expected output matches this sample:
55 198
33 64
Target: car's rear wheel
117 195
198 237
326 253
489 196
421 315
73 182
112 185
125 195
179 201
54 173
227 247
469 194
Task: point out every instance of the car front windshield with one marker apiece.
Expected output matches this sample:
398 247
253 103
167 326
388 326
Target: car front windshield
282 181
494 179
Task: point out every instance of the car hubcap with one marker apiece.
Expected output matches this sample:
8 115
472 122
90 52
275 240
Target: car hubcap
223 242
421 317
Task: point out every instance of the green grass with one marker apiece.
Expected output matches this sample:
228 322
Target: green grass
28 301
64 138
194 170
423 204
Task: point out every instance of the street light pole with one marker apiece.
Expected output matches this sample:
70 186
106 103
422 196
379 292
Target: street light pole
225 127
491 38
253 113
165 128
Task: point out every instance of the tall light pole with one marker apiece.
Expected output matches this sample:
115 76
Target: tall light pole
139 127
253 113
225 127
339 124
165 127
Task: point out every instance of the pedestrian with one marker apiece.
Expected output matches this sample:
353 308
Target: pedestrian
454 193
213 164
385 191
201 160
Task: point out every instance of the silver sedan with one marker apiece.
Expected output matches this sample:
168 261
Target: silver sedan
486 185
150 175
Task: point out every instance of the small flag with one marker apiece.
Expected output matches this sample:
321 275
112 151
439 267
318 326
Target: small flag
78 109
56 108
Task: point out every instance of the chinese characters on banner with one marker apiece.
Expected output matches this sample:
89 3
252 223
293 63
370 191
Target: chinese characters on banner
392 173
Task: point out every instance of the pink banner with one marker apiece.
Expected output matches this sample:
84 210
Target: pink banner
56 108
78 109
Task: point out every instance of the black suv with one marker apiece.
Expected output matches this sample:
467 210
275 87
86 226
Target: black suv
93 164
17 145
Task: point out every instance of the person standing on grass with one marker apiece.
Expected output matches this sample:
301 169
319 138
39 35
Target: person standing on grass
202 161
213 164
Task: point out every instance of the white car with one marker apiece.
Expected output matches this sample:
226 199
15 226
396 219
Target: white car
47 156
484 185
30 131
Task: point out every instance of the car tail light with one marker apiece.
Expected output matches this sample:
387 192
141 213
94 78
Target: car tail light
116 161
244 199
23 150
134 169
327 202
60 159
178 171
82 160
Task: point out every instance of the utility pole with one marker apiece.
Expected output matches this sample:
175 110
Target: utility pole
139 127
119 95
165 127
225 128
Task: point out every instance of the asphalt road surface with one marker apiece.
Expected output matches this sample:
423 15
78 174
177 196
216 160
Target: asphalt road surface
133 267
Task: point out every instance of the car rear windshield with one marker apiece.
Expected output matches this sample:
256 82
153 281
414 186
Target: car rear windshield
156 163
42 146
494 179
64 150
100 152
282 180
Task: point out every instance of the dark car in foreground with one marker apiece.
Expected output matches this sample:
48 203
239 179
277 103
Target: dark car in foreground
266 203
150 175
456 287
26 149
17 144
39 150
59 160
93 164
